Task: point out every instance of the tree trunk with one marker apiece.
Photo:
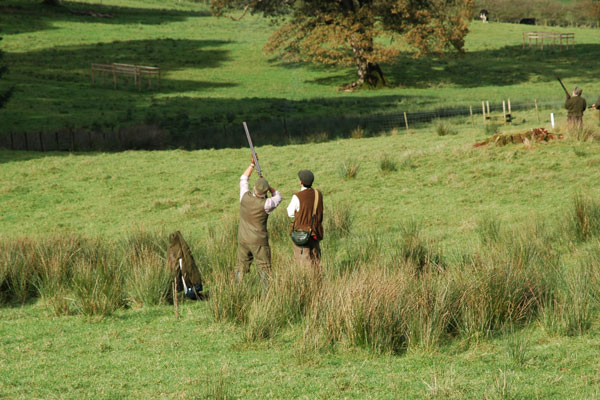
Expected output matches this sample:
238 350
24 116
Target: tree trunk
368 73
51 2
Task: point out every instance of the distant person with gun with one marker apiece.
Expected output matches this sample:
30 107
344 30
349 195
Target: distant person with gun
575 106
255 208
306 207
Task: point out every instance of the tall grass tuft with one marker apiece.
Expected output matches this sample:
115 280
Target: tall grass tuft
19 270
443 128
231 301
146 280
97 285
580 134
584 221
488 229
337 221
56 260
290 294
416 250
349 169
567 310
365 309
220 246
387 164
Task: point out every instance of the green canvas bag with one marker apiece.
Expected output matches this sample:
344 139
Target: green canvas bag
299 237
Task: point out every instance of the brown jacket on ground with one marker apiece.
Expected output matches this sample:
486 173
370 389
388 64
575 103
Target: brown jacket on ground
179 249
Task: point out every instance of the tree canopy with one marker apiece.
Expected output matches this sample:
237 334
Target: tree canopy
346 32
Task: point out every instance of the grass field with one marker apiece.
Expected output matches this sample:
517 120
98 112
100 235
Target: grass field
450 272
147 354
216 73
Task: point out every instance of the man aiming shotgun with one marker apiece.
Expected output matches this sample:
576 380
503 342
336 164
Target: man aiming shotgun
255 208
575 106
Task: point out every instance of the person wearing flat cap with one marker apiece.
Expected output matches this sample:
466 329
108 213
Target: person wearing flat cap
253 238
308 216
575 106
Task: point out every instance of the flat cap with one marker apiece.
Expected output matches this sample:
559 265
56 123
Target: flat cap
306 177
261 186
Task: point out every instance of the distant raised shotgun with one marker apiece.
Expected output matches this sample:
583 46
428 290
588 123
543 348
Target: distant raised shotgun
564 88
254 157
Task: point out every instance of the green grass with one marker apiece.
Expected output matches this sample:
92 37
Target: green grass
149 354
442 181
216 73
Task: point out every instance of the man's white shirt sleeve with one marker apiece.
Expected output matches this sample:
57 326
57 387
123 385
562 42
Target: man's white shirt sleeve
243 186
293 207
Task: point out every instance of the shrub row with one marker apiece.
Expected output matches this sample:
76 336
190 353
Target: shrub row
382 292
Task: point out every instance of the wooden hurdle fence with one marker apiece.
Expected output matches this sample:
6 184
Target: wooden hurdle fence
137 71
488 118
539 39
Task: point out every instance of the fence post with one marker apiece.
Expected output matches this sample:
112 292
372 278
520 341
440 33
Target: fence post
406 122
504 111
483 111
537 112
487 104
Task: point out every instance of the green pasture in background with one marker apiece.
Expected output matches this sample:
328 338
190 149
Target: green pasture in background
215 71
441 180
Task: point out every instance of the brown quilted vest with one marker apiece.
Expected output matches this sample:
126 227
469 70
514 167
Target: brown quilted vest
302 221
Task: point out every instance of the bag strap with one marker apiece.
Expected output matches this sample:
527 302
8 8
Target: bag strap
312 217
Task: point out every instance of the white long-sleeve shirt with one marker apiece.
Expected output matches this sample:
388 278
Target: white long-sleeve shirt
294 205
271 203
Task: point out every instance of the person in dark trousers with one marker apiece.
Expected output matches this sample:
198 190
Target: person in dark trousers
575 106
301 209
253 238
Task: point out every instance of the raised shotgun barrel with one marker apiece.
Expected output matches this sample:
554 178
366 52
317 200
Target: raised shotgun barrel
252 149
564 88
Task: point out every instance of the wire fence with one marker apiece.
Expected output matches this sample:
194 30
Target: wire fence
276 131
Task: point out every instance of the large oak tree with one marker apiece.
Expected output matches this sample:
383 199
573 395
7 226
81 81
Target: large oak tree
349 32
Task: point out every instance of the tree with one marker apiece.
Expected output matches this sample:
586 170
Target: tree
349 32
51 2
4 95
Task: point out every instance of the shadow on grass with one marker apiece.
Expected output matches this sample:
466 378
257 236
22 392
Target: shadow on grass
21 16
506 66
71 64
509 65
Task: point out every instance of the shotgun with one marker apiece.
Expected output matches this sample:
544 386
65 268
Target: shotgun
252 149
564 88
